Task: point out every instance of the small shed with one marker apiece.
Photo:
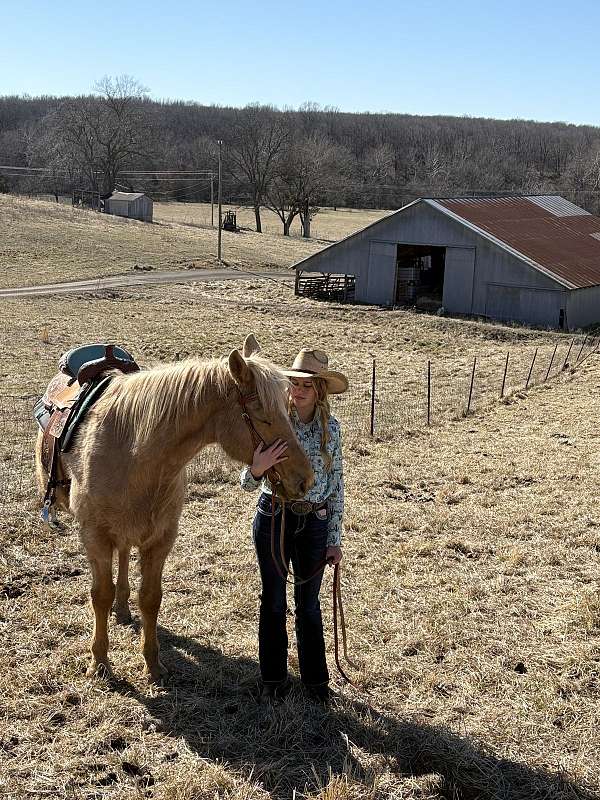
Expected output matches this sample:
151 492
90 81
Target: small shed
135 205
528 259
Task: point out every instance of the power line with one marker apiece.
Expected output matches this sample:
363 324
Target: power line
169 172
33 169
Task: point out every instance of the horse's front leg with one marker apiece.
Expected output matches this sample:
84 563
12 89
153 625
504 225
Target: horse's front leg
152 562
121 606
99 553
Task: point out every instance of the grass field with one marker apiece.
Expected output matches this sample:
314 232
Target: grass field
45 242
470 578
328 224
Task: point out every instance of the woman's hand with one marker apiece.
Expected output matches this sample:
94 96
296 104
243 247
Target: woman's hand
264 459
333 555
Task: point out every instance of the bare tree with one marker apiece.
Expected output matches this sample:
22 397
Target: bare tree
311 168
281 200
104 133
45 149
257 140
320 167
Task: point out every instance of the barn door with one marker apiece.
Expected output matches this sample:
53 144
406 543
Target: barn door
381 275
459 269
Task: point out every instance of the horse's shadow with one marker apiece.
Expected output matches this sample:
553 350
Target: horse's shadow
212 704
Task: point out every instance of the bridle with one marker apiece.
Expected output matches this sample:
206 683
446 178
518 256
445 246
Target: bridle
286 574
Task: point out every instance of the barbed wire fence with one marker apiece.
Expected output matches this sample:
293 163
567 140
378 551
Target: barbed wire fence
377 408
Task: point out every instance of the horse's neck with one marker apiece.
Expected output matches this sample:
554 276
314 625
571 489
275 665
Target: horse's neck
197 427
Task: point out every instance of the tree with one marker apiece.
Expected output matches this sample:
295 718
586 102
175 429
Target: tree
310 169
257 140
45 149
321 168
103 134
280 198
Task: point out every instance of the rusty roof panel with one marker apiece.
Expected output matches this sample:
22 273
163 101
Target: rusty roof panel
565 245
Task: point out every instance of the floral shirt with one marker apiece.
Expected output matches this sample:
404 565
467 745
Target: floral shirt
328 485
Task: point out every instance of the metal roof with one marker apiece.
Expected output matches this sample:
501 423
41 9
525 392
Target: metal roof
129 196
553 235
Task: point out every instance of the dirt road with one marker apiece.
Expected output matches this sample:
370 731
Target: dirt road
143 279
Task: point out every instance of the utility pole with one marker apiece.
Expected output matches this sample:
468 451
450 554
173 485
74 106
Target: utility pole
219 198
212 200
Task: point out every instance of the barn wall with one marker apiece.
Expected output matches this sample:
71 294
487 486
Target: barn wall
142 209
118 208
506 288
583 307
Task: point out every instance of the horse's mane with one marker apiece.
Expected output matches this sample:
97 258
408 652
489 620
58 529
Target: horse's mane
164 396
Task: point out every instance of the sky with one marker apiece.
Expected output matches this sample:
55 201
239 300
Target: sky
491 58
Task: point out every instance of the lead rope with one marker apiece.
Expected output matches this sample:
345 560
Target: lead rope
337 605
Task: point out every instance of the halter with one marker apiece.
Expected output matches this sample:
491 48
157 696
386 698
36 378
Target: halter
285 573
272 474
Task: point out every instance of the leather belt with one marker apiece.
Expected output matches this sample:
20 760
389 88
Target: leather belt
303 507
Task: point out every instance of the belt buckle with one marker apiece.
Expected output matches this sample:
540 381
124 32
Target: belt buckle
301 507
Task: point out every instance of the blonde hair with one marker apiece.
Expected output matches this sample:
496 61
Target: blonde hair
323 409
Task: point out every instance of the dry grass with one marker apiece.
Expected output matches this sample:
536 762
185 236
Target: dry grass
328 224
45 242
471 563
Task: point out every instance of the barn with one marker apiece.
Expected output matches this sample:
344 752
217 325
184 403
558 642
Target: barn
134 205
533 260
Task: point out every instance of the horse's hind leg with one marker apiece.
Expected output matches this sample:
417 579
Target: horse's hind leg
121 606
150 595
99 553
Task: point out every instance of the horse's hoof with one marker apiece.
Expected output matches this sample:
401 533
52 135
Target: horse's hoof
123 616
157 675
99 669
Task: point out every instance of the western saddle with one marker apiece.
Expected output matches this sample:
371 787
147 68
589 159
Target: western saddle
70 394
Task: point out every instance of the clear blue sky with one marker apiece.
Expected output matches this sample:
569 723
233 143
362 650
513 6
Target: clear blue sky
492 58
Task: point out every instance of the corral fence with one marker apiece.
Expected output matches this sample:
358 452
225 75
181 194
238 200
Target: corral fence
379 407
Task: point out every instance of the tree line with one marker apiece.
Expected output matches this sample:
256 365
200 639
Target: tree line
291 161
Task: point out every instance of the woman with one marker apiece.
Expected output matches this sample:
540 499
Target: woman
313 529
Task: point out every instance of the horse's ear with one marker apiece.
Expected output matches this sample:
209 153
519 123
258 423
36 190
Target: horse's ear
240 371
250 345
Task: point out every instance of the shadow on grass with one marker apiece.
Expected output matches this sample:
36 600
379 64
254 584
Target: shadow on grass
211 703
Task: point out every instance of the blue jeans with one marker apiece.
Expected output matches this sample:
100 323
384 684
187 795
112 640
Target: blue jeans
305 545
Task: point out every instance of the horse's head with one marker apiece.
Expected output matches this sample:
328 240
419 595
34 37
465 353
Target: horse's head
261 393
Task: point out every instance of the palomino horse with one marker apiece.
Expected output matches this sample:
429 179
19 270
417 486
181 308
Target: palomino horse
127 470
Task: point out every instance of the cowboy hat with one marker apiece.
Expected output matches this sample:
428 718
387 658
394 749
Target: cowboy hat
314 364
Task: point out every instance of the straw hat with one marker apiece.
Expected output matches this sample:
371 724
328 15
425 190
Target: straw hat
314 364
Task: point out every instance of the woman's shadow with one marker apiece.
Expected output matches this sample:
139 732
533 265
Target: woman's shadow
212 704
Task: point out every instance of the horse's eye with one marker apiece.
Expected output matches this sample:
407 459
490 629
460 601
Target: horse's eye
258 414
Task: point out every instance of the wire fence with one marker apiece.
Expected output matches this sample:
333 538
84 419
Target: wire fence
383 408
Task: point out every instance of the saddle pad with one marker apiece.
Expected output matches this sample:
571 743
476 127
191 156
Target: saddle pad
95 392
